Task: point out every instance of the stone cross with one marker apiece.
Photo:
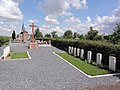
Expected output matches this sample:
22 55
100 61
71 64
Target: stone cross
32 31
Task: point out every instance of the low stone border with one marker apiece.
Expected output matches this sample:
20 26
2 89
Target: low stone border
89 76
1 57
29 57
44 45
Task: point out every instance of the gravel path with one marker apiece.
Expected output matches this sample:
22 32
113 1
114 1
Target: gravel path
46 71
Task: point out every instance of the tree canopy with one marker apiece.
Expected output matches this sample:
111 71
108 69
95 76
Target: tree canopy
38 34
68 34
54 34
92 34
47 35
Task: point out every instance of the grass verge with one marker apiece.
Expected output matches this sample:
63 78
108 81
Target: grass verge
83 66
18 55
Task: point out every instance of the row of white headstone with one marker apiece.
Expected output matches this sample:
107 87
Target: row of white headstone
80 53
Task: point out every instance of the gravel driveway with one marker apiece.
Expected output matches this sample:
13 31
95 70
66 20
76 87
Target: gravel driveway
46 71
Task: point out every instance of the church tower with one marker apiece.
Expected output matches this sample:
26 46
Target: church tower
24 34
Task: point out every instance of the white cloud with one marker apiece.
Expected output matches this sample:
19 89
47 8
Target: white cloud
73 20
76 25
10 10
51 20
10 15
88 19
61 7
117 11
33 21
104 24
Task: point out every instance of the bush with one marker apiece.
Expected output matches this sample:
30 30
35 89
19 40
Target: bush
95 46
4 40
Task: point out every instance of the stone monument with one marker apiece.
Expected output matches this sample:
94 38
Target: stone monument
33 44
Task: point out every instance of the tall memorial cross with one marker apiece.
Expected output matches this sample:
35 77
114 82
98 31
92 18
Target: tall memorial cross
33 31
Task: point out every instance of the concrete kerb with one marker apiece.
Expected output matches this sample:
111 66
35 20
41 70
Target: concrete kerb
1 56
29 57
89 76
44 45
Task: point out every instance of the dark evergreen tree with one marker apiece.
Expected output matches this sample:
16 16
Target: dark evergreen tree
13 35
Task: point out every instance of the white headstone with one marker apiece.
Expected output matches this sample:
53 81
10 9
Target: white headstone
89 56
78 52
69 50
99 58
82 53
112 63
75 52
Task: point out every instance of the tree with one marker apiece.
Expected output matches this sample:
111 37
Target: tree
92 34
54 34
116 34
68 34
13 35
81 36
38 34
47 35
41 35
75 35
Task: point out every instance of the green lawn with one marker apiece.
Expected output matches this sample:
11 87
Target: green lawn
18 55
85 67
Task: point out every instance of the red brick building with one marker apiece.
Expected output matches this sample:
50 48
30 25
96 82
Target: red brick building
23 34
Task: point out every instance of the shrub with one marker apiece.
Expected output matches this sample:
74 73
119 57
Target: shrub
4 40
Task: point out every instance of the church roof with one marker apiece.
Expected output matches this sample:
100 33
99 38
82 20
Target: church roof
23 29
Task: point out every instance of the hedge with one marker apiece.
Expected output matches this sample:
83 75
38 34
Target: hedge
105 49
4 40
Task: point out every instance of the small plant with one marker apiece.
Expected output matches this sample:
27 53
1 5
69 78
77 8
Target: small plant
83 59
86 61
94 63
101 66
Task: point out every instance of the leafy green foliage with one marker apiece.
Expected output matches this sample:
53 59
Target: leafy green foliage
47 36
115 37
38 34
75 35
68 34
92 34
54 34
4 40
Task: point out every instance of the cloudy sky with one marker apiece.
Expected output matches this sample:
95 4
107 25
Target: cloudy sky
59 15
